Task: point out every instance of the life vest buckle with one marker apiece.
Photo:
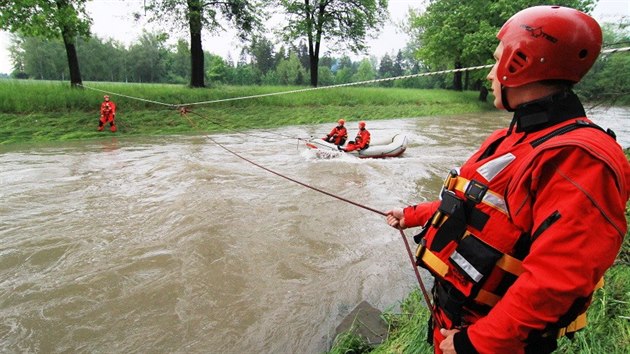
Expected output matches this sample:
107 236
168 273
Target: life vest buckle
450 203
475 191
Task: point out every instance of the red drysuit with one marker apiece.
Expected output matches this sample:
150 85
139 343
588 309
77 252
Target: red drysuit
524 231
108 114
338 135
361 141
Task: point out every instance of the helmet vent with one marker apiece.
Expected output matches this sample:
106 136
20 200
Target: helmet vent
583 53
519 60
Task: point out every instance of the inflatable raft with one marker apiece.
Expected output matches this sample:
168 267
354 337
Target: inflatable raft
379 148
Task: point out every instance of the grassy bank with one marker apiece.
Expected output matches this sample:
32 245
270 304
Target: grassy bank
608 329
44 111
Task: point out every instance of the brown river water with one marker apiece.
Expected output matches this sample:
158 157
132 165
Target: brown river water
174 245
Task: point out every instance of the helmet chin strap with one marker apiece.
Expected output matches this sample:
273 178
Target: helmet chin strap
504 100
507 107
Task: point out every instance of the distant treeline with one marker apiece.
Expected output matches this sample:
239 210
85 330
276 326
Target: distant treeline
152 60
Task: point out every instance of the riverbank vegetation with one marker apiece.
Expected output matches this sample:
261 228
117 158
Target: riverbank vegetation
48 110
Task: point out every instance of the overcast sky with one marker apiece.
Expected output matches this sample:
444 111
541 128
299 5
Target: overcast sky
113 19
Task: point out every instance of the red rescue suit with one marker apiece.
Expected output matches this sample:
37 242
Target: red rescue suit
361 141
108 114
338 135
525 231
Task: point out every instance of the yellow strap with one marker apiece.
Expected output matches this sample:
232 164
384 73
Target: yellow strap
487 298
579 323
511 265
432 261
600 284
460 185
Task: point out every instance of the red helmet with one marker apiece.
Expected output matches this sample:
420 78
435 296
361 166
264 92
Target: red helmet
361 124
547 43
341 121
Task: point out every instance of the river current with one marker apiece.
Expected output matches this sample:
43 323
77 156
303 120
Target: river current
174 245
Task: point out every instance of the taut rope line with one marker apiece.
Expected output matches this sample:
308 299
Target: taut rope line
402 233
295 91
177 106
183 110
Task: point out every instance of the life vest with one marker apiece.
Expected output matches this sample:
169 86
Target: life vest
471 244
363 138
108 108
339 133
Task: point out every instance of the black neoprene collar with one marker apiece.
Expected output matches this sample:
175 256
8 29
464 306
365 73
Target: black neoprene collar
547 111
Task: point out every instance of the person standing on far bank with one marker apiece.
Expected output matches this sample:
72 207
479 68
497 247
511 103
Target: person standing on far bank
525 229
108 114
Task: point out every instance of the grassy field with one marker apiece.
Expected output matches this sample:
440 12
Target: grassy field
45 111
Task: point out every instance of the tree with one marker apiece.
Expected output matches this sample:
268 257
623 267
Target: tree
344 23
18 56
457 34
385 70
365 72
261 50
399 63
180 65
217 68
326 77
147 59
42 59
49 19
199 14
604 83
290 71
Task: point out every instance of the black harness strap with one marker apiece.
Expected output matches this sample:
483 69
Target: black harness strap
568 128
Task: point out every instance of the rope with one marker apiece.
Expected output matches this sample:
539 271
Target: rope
414 265
402 234
130 97
183 112
615 50
178 106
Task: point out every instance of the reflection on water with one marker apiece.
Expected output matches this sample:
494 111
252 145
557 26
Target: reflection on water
171 244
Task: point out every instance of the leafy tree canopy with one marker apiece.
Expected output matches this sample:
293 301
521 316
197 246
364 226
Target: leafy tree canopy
45 18
451 32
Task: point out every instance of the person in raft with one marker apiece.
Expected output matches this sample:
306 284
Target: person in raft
338 135
525 230
108 114
361 141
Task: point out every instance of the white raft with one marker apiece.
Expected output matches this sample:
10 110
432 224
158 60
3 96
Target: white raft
379 148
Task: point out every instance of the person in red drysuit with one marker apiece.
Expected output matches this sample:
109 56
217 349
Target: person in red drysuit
108 114
525 230
338 135
361 141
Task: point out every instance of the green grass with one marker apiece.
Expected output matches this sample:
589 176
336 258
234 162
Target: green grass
608 329
46 111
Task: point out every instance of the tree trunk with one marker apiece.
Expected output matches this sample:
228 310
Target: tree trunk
196 50
68 35
73 62
483 94
314 64
466 80
457 78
